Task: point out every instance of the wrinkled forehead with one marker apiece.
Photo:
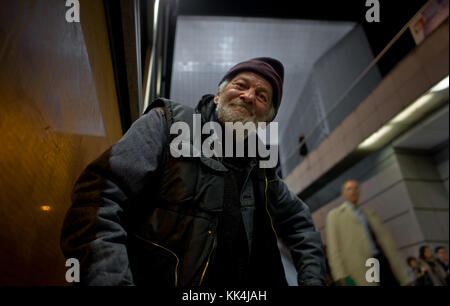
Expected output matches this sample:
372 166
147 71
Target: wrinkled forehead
255 79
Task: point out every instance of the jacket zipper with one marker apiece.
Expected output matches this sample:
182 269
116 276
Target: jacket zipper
164 248
209 258
207 263
267 209
246 179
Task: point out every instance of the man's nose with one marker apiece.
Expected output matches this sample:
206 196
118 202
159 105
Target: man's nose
249 95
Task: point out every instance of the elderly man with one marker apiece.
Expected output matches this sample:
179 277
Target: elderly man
356 234
142 216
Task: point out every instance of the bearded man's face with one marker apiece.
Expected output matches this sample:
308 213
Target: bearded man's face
246 98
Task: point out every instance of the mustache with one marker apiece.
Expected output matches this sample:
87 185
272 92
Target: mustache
236 102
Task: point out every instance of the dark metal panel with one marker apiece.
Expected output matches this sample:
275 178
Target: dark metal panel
128 49
115 34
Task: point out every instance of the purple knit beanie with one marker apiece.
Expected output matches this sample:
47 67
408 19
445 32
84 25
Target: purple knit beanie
269 68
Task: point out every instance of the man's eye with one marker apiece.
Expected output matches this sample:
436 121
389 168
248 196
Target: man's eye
263 98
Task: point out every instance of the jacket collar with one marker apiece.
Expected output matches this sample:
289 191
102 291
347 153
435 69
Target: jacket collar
207 108
348 205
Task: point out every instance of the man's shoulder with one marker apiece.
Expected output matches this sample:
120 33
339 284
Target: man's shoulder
158 110
173 111
339 209
340 212
167 105
155 116
170 111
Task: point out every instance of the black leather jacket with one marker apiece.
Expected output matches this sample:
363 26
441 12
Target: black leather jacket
141 216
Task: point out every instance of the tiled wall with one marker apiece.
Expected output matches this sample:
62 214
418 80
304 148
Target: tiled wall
323 101
429 198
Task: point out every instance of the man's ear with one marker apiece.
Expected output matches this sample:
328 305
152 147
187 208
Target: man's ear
216 98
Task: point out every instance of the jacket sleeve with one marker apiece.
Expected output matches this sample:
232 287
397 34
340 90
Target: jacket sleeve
334 254
398 264
94 229
295 227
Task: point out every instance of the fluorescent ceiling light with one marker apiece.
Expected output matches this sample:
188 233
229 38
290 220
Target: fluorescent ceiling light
375 137
441 85
410 110
407 116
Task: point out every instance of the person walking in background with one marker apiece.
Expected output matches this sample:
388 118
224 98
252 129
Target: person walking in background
303 147
418 273
355 234
435 274
442 257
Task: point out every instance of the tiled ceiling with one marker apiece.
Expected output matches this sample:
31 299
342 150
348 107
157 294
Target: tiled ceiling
206 47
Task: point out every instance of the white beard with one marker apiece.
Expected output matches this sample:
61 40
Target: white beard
235 111
231 112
